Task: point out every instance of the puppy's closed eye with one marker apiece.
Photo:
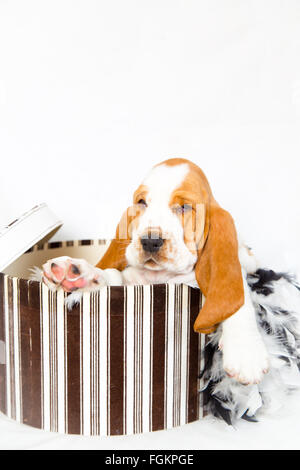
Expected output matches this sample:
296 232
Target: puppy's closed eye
182 209
142 202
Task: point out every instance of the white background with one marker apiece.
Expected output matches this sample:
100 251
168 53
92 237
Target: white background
94 92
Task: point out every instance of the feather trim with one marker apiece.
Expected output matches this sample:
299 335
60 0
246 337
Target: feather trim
276 297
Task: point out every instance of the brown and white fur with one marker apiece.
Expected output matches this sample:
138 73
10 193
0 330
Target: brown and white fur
176 232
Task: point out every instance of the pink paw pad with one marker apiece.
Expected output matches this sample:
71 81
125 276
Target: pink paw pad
67 275
73 272
57 271
70 286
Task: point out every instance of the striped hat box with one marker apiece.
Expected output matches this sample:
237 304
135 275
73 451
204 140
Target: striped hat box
124 361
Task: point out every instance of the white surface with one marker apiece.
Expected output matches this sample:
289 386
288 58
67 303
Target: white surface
93 93
279 431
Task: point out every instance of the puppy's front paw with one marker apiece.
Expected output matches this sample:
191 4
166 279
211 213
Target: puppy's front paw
244 359
71 274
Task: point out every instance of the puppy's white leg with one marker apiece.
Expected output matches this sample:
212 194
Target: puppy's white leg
245 357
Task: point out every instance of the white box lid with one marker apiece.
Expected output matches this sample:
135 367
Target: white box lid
36 225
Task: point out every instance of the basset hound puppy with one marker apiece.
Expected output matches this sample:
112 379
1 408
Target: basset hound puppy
176 232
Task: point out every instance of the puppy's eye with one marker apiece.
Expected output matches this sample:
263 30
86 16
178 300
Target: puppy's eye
184 208
142 202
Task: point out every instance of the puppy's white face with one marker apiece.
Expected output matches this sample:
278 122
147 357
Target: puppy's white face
158 233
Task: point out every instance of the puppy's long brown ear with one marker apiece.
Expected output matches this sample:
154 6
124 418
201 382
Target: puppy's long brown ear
218 272
115 257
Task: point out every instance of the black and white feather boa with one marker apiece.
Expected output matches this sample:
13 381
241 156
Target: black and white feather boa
276 297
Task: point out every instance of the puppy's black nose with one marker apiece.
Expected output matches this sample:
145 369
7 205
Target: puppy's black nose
151 245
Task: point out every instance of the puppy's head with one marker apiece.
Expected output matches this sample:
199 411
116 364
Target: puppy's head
168 218
176 225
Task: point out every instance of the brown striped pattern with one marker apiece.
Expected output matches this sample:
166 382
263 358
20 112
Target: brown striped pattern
2 346
116 366
62 244
193 396
73 370
158 357
126 360
30 352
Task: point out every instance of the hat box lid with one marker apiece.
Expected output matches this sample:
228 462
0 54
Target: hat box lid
38 224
